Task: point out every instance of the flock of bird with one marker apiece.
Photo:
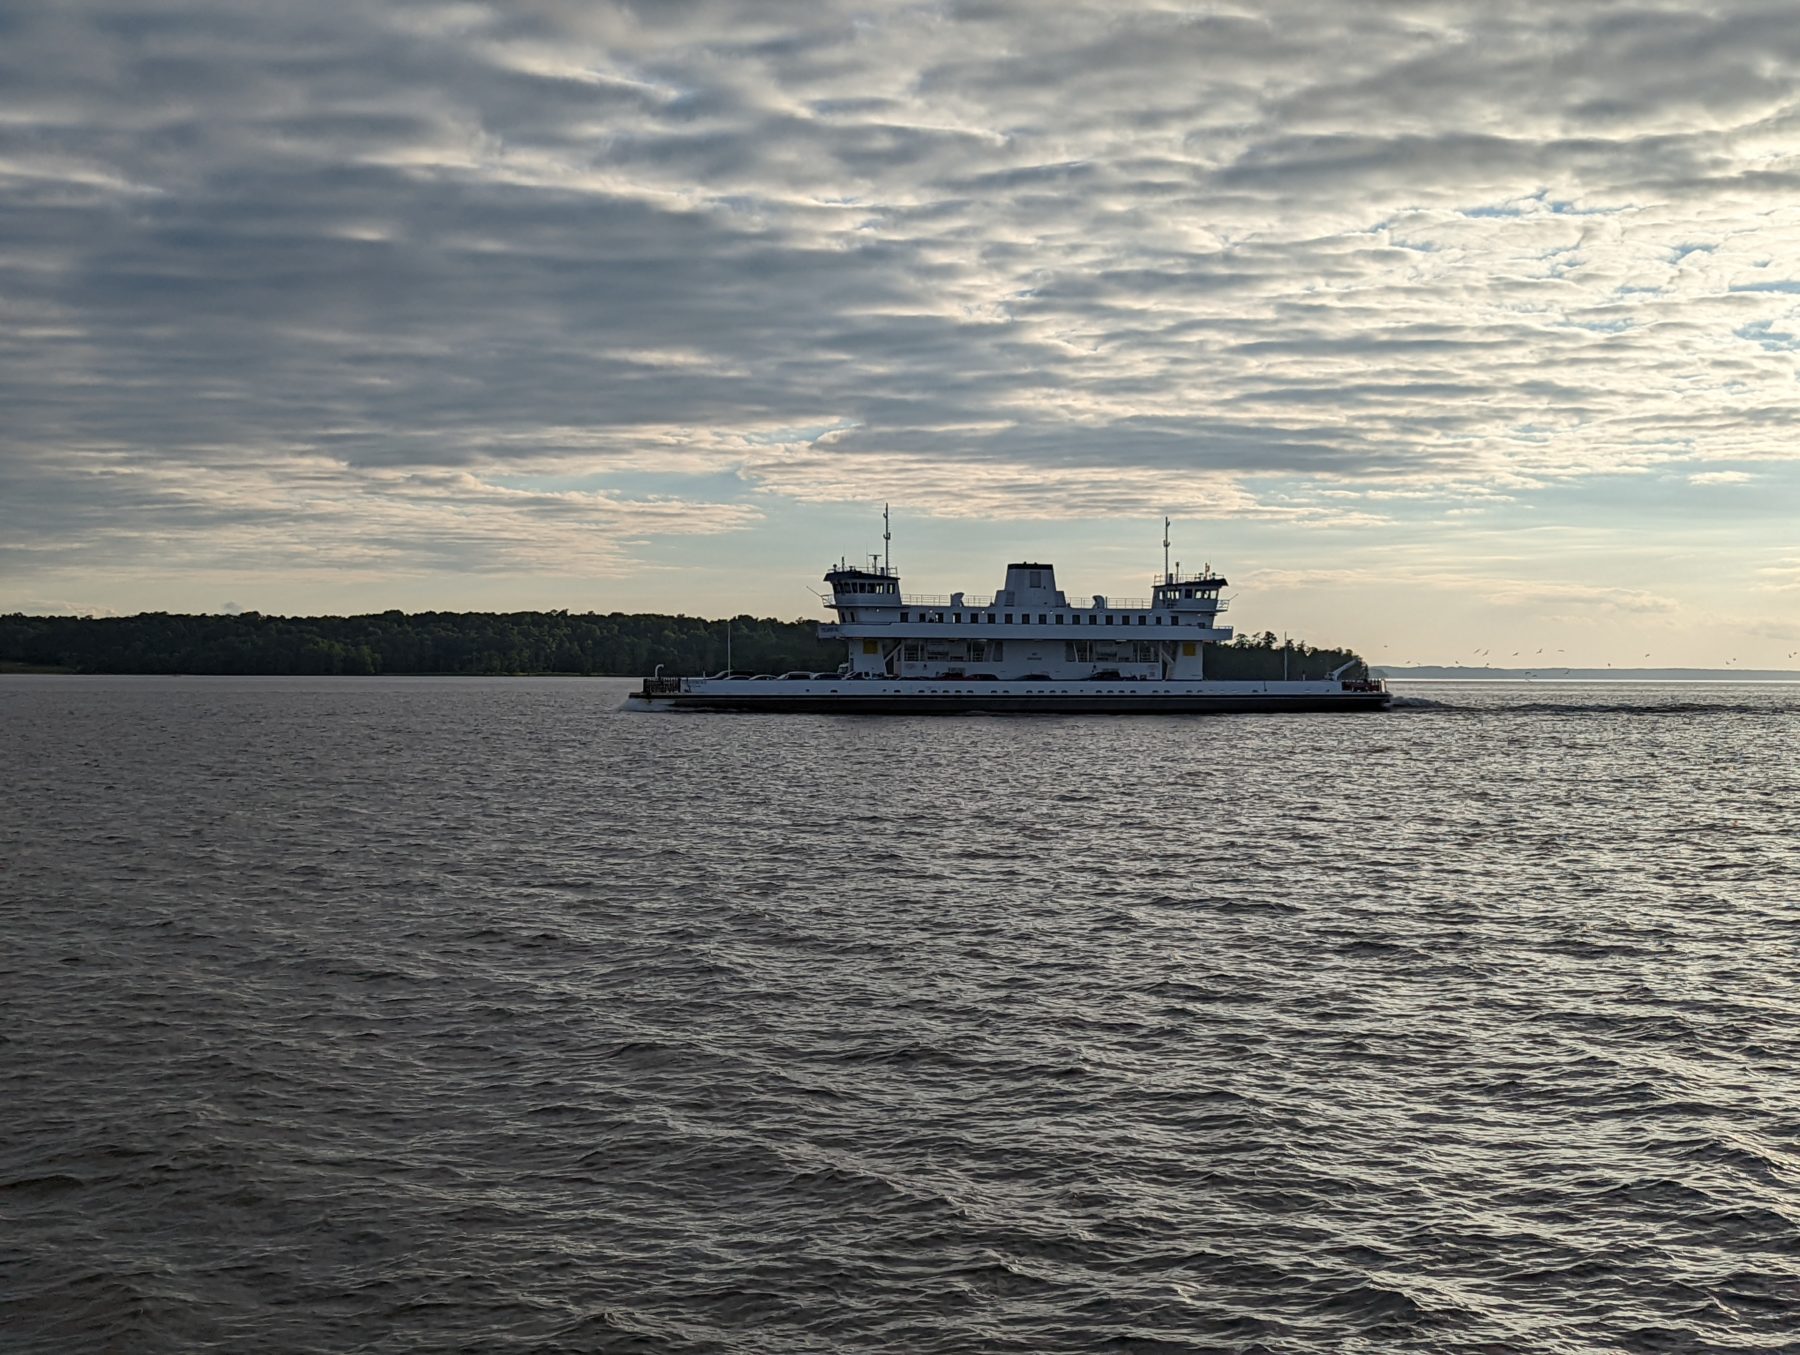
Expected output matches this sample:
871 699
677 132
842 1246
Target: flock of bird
1485 653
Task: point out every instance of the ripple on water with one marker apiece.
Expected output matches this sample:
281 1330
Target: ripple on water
404 1015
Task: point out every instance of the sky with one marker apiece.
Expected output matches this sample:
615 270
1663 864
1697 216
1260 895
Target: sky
1435 327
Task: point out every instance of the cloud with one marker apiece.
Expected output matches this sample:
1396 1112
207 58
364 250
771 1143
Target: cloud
333 283
1781 577
245 508
1582 597
58 607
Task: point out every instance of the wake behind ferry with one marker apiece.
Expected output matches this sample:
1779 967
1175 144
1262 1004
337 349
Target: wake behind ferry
1028 648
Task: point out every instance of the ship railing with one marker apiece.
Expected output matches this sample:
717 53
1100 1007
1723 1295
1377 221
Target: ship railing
1148 604
944 600
1205 576
980 604
1077 603
878 569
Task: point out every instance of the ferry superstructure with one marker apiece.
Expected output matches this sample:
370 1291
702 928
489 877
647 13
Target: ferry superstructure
1026 648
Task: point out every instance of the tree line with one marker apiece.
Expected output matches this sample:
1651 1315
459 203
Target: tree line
411 643
395 642
1251 657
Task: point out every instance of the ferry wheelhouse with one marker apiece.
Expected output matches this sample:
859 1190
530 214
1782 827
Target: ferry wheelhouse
1028 647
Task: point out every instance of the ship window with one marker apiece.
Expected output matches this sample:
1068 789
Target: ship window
1009 619
1059 618
905 617
956 616
1187 592
1109 618
1037 579
1140 621
1043 620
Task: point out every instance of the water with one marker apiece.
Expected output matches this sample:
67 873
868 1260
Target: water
415 1015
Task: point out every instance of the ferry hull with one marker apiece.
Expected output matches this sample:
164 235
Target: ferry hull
1261 697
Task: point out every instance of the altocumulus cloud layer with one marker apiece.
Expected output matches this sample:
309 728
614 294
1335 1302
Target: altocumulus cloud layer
504 287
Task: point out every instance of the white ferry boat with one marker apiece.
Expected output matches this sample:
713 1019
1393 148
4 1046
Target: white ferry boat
1027 648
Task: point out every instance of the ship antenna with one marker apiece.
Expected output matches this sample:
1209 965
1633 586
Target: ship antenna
1165 550
887 538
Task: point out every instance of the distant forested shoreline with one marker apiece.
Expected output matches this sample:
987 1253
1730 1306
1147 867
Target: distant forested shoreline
416 643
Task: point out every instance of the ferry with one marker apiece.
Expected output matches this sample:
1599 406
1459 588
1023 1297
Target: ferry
1028 648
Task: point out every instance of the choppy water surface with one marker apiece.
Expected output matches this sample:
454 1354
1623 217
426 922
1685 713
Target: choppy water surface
401 1015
